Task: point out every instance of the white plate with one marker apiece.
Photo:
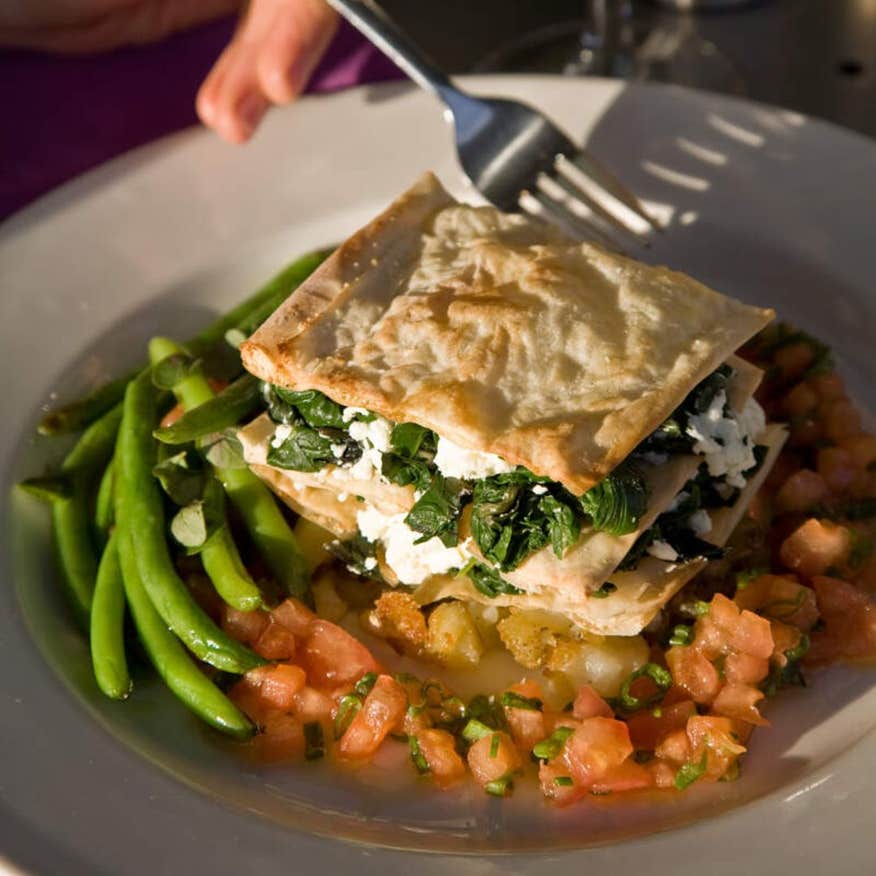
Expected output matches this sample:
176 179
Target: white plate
764 204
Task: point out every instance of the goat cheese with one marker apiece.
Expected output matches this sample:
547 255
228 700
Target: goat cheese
413 563
281 433
454 461
700 522
727 442
662 550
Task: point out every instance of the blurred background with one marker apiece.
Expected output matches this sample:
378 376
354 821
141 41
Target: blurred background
67 114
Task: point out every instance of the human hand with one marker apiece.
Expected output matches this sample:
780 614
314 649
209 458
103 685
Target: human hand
269 61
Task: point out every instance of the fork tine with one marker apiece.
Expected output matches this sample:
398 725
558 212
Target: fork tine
600 174
577 193
557 214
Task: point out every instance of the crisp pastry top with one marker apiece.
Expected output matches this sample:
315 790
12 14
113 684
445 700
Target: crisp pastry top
498 333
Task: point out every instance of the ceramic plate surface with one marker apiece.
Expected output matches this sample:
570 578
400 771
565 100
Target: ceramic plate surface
762 204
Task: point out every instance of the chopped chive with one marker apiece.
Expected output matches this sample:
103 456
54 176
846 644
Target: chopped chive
348 708
700 608
658 675
549 748
564 781
513 700
417 756
682 634
690 772
494 745
365 683
314 742
475 730
499 787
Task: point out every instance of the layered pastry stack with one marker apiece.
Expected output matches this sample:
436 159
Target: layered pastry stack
479 408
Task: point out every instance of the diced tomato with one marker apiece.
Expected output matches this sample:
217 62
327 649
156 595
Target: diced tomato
801 491
295 616
172 416
246 694
828 387
793 359
842 419
279 684
740 668
717 736
862 449
588 704
649 727
662 775
245 626
275 643
837 466
382 711
557 785
675 748
780 597
281 740
313 705
785 638
675 695
627 776
332 657
692 671
850 617
739 701
815 546
741 631
597 745
438 747
493 757
800 401
527 725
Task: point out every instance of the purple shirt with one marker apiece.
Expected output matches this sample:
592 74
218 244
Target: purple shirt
67 115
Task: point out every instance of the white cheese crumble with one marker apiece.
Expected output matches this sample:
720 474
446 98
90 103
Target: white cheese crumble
662 550
539 489
454 461
413 563
375 432
281 433
727 442
700 522
350 414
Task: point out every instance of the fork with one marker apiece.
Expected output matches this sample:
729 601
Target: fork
512 154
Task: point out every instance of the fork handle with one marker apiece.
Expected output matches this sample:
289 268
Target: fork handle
380 30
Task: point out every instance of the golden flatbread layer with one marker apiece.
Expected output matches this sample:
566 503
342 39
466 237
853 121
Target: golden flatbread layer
498 333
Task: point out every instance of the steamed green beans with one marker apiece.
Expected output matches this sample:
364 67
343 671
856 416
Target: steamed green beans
234 403
166 653
139 495
107 632
253 500
71 518
244 318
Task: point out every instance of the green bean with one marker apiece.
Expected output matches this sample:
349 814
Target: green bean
234 403
78 414
71 518
255 503
103 509
246 318
141 500
48 488
167 655
268 528
108 626
225 569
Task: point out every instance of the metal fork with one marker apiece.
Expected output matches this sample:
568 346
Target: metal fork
512 154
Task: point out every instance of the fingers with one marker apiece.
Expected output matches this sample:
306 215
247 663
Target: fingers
269 60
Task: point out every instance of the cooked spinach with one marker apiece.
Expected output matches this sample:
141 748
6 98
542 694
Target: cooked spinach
411 459
489 582
436 513
316 409
617 503
510 520
304 449
358 555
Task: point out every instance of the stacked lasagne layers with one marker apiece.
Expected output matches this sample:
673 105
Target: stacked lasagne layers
478 407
